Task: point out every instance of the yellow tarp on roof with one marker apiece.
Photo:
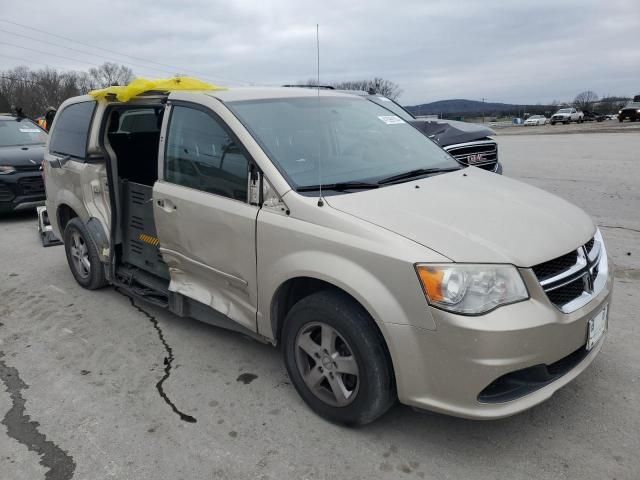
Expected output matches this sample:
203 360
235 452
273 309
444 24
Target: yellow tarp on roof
142 85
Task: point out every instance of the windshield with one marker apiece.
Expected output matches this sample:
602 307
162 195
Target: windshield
20 132
564 110
348 139
392 106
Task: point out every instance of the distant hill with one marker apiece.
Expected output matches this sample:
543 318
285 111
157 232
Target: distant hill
460 106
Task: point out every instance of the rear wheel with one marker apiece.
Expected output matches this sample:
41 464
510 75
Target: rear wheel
337 360
82 256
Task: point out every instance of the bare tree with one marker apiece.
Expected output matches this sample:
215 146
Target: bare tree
35 90
376 85
110 74
585 100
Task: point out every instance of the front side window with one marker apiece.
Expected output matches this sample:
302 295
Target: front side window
70 135
20 131
201 154
333 139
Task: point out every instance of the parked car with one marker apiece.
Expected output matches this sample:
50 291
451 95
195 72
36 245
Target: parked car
21 153
631 112
536 120
566 116
468 143
593 116
277 213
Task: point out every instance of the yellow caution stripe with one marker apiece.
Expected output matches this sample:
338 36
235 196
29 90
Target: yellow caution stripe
151 240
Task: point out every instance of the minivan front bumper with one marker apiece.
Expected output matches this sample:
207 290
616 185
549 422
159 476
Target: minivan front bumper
451 369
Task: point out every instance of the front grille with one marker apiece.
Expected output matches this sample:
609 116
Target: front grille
566 293
572 275
589 245
6 195
556 266
482 154
27 168
31 185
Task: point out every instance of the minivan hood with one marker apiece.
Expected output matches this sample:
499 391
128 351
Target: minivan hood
22 155
472 215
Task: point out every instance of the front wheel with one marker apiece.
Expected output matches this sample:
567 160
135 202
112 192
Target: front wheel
337 360
82 256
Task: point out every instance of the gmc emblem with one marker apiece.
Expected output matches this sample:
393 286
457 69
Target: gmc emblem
475 158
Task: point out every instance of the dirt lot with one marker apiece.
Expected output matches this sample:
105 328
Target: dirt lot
79 369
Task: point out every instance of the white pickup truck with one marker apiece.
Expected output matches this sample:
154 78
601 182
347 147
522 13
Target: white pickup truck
567 115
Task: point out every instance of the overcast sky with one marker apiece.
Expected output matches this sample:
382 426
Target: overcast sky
505 51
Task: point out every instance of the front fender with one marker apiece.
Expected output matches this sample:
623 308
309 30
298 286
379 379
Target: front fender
393 297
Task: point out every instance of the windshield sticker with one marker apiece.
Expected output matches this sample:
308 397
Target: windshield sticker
390 119
30 130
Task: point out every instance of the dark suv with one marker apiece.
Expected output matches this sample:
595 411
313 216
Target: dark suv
468 143
21 152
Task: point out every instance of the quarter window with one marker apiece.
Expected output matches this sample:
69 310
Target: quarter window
201 154
69 137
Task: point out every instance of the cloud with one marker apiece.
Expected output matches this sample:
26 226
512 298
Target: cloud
503 51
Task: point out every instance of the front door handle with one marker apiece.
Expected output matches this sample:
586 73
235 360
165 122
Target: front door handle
166 204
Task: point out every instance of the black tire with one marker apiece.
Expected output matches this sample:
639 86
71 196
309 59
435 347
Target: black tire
620 119
552 123
93 277
567 122
375 391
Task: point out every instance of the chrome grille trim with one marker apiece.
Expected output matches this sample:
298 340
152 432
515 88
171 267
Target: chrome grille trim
591 268
487 148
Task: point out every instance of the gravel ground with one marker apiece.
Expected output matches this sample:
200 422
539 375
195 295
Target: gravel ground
78 372
607 126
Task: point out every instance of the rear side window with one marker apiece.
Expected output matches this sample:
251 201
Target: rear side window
69 137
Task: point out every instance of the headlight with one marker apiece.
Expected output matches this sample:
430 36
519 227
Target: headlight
619 112
471 289
6 169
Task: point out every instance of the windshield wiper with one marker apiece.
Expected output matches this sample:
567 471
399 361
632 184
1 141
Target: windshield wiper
415 173
339 186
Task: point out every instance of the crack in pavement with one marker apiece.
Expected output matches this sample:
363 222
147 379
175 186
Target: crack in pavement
168 360
20 427
621 228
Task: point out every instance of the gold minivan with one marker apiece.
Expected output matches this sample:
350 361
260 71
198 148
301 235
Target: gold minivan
321 222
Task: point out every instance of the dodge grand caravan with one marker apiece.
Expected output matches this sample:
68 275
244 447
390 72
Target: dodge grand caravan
321 222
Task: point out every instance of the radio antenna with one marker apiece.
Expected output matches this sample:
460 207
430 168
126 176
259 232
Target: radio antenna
320 201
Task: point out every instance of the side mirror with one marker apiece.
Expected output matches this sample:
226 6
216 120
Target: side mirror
254 187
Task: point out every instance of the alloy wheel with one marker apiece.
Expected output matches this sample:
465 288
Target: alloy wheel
327 364
80 255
